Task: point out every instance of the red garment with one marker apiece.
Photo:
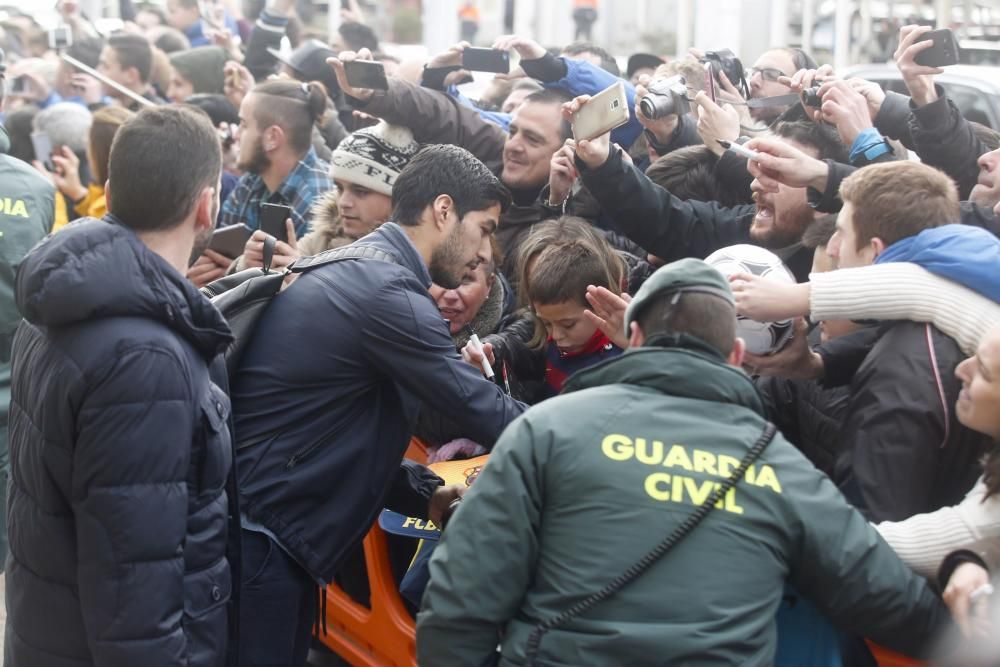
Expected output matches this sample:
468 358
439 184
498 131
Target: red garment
560 365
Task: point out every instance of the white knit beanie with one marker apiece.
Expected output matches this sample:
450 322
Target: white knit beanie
373 156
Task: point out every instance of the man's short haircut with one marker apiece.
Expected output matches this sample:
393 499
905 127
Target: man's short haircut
554 97
87 50
896 200
358 36
169 39
689 173
800 58
704 316
987 135
294 107
445 169
822 138
160 162
218 107
133 51
820 231
67 124
608 62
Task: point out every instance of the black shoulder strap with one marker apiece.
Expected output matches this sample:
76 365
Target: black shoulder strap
672 540
352 251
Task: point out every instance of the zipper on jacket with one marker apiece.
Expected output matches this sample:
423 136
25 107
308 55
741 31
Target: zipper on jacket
298 456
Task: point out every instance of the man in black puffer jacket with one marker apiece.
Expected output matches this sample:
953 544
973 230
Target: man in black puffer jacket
119 440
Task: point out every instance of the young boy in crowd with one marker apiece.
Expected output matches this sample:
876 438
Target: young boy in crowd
555 340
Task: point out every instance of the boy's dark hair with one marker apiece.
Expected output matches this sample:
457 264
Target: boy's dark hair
707 317
608 62
820 231
358 36
562 271
689 173
445 169
133 51
823 138
294 107
87 50
160 162
556 97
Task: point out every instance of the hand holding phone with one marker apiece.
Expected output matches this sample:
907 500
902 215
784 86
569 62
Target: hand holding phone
43 149
602 113
366 74
272 220
486 60
943 53
229 241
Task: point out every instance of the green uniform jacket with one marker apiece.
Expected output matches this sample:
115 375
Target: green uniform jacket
27 212
583 485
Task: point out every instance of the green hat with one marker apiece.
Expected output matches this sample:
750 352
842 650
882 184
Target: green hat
684 275
202 66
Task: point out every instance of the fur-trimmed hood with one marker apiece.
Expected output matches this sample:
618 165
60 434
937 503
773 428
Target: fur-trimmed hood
326 229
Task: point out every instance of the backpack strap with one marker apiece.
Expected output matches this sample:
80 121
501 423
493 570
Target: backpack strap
270 243
352 251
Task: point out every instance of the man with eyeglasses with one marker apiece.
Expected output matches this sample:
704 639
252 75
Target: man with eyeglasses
763 79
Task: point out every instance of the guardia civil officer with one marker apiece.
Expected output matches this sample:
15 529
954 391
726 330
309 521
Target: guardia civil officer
27 212
584 485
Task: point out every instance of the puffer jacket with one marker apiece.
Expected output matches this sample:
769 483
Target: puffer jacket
120 453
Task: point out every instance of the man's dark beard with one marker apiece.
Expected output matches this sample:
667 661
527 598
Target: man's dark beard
447 265
257 161
201 243
789 233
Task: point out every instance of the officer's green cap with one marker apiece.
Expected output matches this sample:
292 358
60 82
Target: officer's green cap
683 276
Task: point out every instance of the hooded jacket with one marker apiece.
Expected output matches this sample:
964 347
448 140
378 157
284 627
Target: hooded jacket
120 452
582 486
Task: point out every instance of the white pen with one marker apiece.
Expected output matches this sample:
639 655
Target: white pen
981 592
478 346
739 149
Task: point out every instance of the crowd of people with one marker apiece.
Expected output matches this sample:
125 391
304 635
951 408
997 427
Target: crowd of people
471 275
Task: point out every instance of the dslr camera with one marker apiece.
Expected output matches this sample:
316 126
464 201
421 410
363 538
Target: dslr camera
725 61
665 97
811 97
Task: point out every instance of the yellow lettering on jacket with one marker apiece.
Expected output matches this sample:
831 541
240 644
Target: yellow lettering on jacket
677 457
16 207
617 447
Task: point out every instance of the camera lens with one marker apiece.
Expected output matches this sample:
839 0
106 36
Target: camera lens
648 107
811 98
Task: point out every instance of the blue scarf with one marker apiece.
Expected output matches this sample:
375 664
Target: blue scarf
968 255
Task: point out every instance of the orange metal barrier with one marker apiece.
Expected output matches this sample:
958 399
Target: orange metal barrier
383 635
886 658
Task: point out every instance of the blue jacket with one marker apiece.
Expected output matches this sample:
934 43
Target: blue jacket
328 391
120 451
968 255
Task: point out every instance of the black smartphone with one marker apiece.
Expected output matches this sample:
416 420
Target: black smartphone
366 74
944 52
18 85
230 241
486 60
272 220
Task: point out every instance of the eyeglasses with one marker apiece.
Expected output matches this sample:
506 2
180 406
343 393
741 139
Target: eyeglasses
766 73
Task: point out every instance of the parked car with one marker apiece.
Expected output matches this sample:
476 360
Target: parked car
975 90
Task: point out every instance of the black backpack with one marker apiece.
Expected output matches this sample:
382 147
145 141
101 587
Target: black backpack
243 297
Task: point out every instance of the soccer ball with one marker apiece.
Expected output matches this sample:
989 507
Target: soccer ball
760 337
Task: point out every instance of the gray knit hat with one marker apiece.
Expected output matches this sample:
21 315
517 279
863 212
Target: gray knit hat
373 156
203 67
